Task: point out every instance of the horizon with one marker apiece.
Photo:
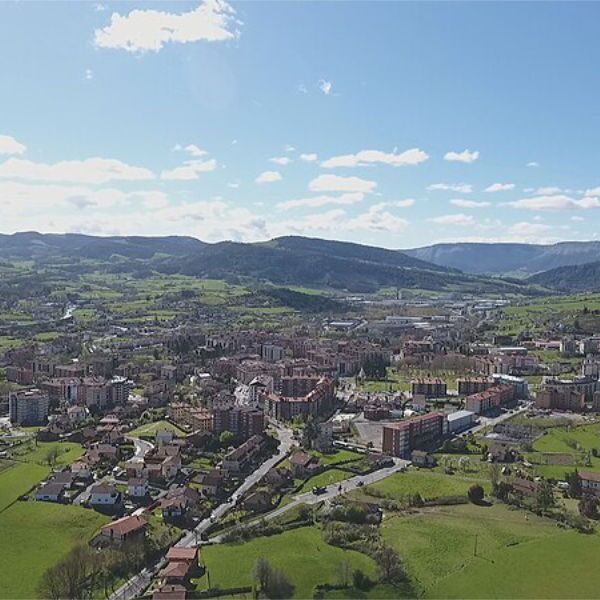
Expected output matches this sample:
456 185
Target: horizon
226 122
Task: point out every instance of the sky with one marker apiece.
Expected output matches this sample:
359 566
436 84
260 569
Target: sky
396 124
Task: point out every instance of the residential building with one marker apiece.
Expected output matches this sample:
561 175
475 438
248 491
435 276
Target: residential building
124 529
28 407
419 433
430 388
590 482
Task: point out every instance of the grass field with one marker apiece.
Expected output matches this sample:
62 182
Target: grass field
456 551
341 456
429 484
35 536
301 553
324 479
150 429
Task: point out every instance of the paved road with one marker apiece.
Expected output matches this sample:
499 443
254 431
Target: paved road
490 422
142 447
138 583
332 491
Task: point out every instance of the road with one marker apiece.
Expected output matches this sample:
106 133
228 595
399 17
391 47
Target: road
333 491
142 447
138 583
491 421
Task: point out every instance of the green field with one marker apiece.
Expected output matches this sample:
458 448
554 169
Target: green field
35 536
324 479
150 429
493 552
301 553
430 484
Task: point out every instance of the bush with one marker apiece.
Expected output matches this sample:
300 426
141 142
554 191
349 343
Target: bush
476 494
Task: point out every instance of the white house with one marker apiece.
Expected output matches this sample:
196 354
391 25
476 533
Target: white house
137 487
104 494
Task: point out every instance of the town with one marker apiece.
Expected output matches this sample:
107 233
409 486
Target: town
185 440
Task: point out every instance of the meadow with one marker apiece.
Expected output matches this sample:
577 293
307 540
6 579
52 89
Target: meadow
150 429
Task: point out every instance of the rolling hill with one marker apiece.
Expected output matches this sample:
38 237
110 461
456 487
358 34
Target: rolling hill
500 259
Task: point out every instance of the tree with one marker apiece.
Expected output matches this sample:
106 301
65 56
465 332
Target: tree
476 494
263 573
389 564
226 438
359 580
280 585
544 497
588 506
51 456
574 481
495 473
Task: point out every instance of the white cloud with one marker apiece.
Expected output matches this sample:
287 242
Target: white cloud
376 219
532 164
281 160
144 30
191 169
91 170
576 218
525 229
89 74
311 157
317 201
289 148
466 156
461 188
403 203
414 156
8 145
457 219
336 183
593 192
500 187
233 184
268 177
326 86
553 203
302 88
194 150
462 203
550 190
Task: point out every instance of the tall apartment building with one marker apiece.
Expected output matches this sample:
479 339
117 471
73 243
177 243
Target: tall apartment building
430 388
319 400
242 421
473 385
560 399
490 399
28 407
420 433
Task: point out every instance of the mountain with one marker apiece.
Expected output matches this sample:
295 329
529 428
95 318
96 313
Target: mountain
577 278
31 245
287 261
499 259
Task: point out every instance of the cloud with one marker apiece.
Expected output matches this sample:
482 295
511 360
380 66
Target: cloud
462 203
336 183
281 160
403 203
90 170
457 219
302 88
532 164
233 184
461 188
317 201
466 156
8 145
309 157
554 203
268 177
575 218
593 192
414 156
500 187
150 30
326 86
289 148
191 169
89 74
194 150
525 229
547 191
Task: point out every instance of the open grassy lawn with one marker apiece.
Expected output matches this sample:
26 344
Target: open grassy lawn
442 560
324 479
575 441
563 565
301 553
334 458
150 429
35 536
429 484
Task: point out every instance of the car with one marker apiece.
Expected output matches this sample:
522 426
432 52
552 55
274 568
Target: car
360 483
319 489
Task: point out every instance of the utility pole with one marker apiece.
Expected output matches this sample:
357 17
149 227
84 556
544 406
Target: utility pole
475 546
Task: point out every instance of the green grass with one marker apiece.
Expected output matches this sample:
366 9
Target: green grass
341 456
429 484
438 546
150 429
301 553
36 535
324 479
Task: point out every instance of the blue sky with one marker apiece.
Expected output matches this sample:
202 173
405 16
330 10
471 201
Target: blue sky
395 124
